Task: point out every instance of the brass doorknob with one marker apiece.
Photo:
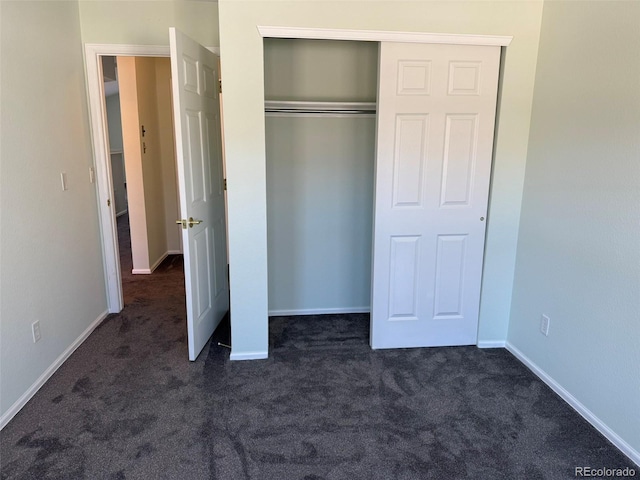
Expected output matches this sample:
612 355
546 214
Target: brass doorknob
191 222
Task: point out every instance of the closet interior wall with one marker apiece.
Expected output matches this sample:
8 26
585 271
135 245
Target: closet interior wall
320 176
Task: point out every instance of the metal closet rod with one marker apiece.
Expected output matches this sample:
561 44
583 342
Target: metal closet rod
319 108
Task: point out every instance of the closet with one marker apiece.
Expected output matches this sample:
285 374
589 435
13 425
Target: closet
320 142
378 160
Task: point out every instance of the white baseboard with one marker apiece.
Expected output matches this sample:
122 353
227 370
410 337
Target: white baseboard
31 391
491 343
587 414
119 214
249 355
141 271
149 271
159 261
174 252
318 311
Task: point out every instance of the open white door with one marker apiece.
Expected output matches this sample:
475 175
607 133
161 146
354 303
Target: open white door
196 106
436 115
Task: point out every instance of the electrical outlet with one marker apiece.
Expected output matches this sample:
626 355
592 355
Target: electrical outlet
544 324
35 329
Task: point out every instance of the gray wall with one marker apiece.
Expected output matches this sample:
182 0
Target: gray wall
319 177
52 268
319 212
321 70
579 245
144 22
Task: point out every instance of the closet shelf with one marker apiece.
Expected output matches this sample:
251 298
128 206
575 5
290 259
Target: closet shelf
282 107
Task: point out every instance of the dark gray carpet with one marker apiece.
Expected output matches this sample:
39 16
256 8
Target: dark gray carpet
128 405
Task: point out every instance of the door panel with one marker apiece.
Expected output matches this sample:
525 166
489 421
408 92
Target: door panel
436 114
460 148
403 291
409 159
199 151
449 285
202 247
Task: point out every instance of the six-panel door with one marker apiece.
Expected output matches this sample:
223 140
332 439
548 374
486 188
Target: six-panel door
436 115
200 179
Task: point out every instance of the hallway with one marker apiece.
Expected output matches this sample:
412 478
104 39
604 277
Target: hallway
167 279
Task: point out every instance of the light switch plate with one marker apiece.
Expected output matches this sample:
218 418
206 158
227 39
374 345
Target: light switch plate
544 324
35 330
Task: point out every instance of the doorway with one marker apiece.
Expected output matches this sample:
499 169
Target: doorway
138 99
103 174
196 112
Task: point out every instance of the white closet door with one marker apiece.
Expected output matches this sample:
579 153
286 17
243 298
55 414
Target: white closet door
436 115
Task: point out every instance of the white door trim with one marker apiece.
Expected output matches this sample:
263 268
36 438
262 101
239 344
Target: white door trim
384 36
102 164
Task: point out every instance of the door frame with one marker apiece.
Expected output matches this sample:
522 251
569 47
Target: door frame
102 164
297 33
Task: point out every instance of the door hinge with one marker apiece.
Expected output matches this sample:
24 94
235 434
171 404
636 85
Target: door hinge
220 85
108 202
225 184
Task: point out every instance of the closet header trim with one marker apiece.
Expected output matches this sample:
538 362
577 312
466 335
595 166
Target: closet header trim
384 36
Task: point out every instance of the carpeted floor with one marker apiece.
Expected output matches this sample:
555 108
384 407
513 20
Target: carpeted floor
128 405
